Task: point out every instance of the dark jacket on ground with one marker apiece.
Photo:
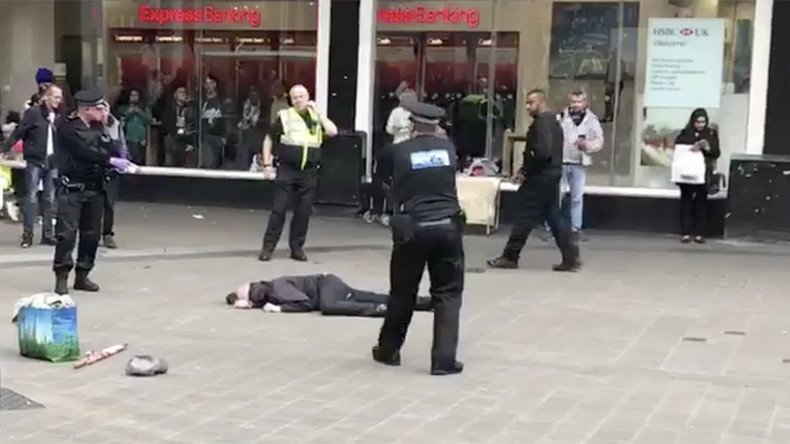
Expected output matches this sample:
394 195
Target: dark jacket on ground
544 145
291 293
33 131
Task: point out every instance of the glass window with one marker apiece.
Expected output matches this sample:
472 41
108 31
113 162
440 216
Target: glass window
212 74
478 59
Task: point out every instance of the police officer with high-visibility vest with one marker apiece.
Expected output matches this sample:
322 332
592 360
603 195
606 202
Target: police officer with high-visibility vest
295 140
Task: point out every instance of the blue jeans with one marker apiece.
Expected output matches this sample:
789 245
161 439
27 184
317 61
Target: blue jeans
35 174
575 176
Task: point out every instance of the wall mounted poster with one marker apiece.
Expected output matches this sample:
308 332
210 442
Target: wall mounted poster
685 59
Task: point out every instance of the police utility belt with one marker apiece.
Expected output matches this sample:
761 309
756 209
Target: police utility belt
404 226
67 186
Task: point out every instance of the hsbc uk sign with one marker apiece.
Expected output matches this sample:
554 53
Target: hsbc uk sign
685 59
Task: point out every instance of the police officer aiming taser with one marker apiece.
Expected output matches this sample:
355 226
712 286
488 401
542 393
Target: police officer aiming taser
84 161
427 229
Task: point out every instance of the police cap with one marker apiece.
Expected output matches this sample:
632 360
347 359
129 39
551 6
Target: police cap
424 112
89 97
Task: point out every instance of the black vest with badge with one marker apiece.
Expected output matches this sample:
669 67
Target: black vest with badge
423 178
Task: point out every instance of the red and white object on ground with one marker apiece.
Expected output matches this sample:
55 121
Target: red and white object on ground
92 357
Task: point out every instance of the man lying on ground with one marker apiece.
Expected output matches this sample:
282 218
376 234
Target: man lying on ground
318 292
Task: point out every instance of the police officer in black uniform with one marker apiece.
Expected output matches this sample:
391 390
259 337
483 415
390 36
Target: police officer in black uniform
427 229
538 193
83 162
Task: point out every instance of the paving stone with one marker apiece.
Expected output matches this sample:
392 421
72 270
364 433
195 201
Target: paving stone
597 357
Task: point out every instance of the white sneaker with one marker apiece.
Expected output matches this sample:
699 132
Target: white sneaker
384 220
12 210
369 217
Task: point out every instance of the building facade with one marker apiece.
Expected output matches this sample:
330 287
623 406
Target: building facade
646 64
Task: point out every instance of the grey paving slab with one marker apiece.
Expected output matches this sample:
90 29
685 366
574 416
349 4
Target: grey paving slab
598 357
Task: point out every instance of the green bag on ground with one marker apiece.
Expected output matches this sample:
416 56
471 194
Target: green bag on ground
48 333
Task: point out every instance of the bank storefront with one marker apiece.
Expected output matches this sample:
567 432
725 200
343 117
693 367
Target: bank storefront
645 64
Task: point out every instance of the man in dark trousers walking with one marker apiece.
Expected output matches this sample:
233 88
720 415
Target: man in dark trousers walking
295 140
83 161
538 193
427 230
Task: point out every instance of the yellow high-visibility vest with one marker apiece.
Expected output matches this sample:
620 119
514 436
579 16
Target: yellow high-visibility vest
5 178
296 132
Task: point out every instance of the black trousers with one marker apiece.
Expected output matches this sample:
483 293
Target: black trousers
440 247
111 191
693 209
297 187
78 211
538 200
339 299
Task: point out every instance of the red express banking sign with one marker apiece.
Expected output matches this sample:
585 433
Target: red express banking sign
424 15
209 14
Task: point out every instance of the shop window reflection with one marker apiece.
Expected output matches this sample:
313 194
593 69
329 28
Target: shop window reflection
233 80
451 70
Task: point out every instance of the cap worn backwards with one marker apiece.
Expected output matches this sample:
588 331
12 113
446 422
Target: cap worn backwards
424 112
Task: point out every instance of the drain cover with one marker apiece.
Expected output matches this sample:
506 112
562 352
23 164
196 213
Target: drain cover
11 400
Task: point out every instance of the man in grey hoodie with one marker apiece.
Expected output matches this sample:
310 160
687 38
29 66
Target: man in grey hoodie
114 137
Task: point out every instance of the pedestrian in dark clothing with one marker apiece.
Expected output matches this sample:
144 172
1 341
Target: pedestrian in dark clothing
427 230
136 118
694 197
38 131
539 189
326 293
83 162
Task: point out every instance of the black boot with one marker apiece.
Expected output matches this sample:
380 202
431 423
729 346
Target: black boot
298 255
27 240
379 355
266 254
81 282
503 263
61 282
456 368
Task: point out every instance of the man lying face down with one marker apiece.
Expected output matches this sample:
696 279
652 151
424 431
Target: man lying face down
318 292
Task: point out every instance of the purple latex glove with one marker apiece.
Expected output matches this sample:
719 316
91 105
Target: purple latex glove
120 164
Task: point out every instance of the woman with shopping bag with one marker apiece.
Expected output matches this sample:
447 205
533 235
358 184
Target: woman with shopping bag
696 151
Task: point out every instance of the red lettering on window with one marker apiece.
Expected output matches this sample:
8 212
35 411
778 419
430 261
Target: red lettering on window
424 15
195 16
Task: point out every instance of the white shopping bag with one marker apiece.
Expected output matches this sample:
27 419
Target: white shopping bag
688 166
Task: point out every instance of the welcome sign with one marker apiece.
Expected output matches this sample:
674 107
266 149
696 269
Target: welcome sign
685 60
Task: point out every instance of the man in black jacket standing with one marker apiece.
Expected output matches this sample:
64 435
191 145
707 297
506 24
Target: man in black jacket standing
38 131
538 193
